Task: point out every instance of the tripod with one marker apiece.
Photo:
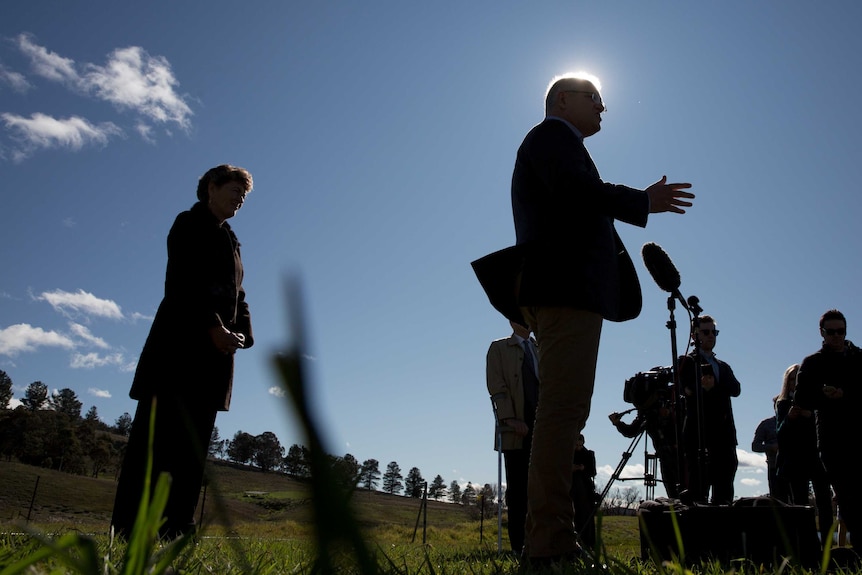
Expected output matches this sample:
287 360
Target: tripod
650 467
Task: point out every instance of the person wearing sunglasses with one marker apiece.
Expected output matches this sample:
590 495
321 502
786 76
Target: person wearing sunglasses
709 430
830 384
567 272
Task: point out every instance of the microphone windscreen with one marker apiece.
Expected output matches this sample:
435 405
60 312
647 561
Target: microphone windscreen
660 267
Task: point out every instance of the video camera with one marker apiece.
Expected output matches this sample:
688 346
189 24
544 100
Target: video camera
656 383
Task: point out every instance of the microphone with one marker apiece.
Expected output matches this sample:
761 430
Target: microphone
662 270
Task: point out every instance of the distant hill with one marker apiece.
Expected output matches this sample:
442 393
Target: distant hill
249 495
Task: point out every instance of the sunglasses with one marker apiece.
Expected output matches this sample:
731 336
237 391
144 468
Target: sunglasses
836 331
708 331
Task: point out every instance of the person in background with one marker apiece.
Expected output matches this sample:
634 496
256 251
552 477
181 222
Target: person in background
709 431
511 374
766 441
583 492
798 462
657 416
829 383
185 371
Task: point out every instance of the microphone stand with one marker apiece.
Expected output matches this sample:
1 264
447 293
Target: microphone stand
700 489
677 389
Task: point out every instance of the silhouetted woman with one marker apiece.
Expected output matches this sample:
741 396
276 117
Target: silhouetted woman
186 366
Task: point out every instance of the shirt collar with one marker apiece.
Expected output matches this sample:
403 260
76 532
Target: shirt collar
570 125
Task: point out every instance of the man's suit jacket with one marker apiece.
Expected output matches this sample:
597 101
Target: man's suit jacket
718 426
504 376
567 250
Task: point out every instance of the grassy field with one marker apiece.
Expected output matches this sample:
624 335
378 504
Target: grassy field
269 510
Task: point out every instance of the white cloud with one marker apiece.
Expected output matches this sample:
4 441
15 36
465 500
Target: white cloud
46 63
40 131
15 80
81 302
750 481
23 337
748 459
134 79
92 360
131 80
99 392
135 316
276 390
85 334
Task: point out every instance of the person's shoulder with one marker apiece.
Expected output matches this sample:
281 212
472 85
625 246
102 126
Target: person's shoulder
550 129
811 358
503 342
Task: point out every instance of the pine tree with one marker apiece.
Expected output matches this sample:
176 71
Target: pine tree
437 489
468 497
5 389
455 492
414 483
123 424
369 475
35 396
392 478
66 401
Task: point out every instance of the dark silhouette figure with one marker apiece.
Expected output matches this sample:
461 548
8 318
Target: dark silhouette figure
186 366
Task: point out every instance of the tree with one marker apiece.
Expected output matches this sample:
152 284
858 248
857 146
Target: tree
66 401
268 452
35 396
488 496
241 448
216 447
346 470
92 415
123 424
468 497
392 478
437 489
455 492
631 495
5 389
296 461
369 474
414 483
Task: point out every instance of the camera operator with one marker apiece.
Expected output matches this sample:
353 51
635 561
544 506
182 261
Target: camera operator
709 431
657 416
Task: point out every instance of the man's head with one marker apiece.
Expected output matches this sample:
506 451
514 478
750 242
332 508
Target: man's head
706 333
833 329
577 99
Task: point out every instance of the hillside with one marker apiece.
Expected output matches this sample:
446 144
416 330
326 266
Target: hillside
247 494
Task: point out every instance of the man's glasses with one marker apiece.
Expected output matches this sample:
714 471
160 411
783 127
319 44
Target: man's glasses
836 331
708 331
594 96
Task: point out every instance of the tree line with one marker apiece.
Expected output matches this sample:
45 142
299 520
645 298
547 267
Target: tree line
265 452
48 430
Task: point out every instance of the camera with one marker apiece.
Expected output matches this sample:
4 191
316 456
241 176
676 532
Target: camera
647 385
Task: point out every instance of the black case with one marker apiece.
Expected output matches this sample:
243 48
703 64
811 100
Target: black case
760 529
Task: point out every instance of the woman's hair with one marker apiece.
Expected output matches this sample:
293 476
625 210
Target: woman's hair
221 175
788 385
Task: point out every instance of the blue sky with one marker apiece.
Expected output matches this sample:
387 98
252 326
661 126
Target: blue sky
381 138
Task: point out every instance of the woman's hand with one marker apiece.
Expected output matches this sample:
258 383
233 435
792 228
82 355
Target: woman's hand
226 341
